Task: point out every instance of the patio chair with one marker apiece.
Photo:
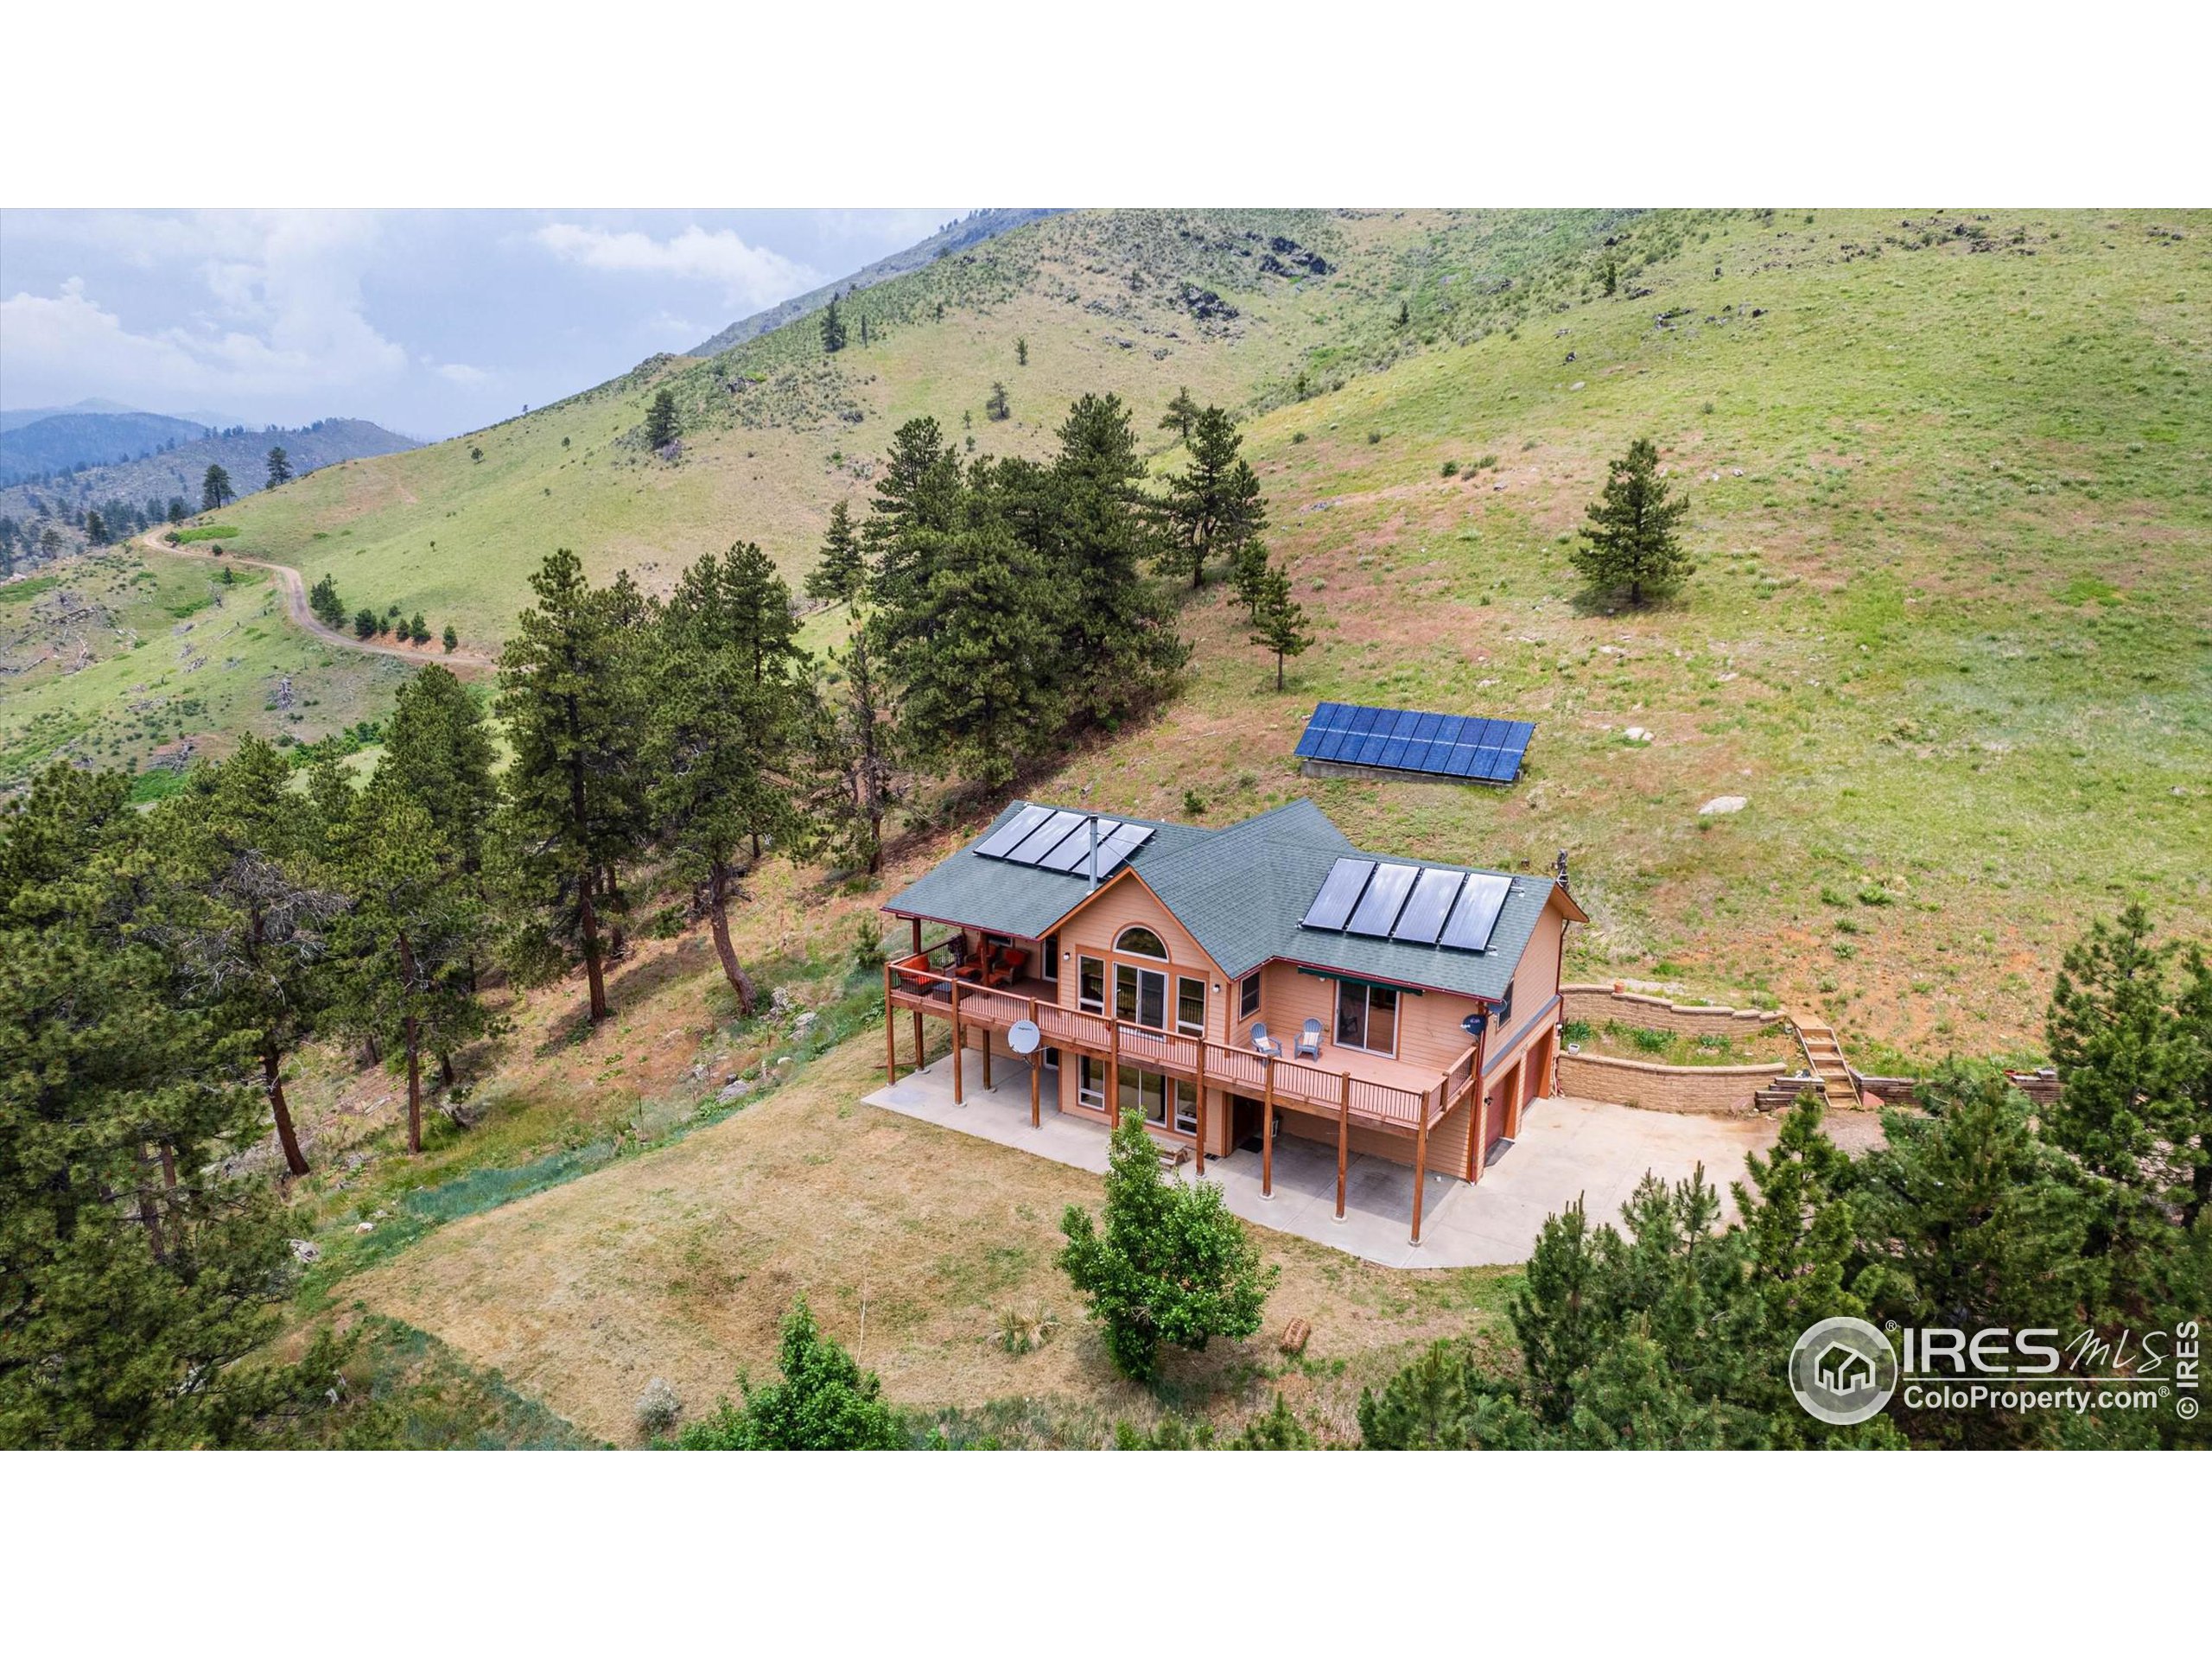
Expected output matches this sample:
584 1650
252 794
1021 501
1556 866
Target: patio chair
1309 1041
1263 1043
1006 966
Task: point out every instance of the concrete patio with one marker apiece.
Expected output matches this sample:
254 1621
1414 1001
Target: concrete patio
1568 1148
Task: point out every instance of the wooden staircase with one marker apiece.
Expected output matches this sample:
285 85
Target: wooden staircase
1839 1089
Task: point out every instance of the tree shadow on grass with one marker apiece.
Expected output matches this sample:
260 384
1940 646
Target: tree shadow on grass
641 979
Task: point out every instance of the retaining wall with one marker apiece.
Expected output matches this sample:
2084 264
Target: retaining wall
1599 1003
1720 1088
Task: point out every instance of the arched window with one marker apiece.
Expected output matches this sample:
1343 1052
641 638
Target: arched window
1140 942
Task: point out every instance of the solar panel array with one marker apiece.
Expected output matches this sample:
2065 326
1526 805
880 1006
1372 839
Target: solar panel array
1049 839
1463 747
1409 903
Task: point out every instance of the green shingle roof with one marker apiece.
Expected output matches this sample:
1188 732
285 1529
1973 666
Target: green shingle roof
1240 892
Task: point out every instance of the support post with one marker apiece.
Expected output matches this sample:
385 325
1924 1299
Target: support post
1343 1139
1267 1131
958 1097
1481 1160
1036 1068
987 1059
1202 1108
1114 1073
890 1030
921 1050
1420 1167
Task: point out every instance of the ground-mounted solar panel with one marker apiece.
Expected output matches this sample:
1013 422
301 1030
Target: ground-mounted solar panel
1474 918
1044 837
1009 834
1422 919
1074 853
1377 911
1347 880
1473 748
1119 845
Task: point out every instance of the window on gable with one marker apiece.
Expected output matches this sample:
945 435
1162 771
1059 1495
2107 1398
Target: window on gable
1140 942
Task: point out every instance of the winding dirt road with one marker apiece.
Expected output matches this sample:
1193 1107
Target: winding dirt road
462 659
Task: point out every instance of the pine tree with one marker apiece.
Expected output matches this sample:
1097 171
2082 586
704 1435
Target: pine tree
1280 619
280 466
837 575
852 739
1215 506
833 327
215 489
323 601
95 529
662 426
726 729
438 752
452 638
1021 351
1182 414
1170 1264
1405 312
568 698
365 625
918 494
1630 541
996 407
245 913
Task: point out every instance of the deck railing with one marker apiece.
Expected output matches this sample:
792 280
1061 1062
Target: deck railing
1240 1071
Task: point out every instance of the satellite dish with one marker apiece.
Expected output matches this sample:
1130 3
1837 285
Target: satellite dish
1473 1024
1023 1037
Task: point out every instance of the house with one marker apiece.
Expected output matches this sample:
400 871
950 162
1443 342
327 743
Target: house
1236 984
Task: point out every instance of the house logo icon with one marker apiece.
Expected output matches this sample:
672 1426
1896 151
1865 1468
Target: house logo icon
1843 1371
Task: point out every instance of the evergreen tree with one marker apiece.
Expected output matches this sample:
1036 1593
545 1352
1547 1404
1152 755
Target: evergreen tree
837 578
725 728
215 489
833 327
996 407
323 601
452 638
1630 541
1279 619
1405 312
280 466
136 1276
1276 1430
1215 506
95 529
1182 414
178 513
1021 351
245 913
365 625
438 753
852 740
824 1402
919 494
411 931
662 426
568 698
1171 1264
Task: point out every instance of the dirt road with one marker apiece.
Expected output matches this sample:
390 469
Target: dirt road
462 660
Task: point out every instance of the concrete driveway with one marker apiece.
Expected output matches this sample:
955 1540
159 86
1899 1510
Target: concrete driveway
1568 1148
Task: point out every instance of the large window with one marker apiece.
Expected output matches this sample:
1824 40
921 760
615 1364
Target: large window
1248 996
1140 942
1091 984
1157 1097
1190 1006
1367 1017
1140 995
1090 1082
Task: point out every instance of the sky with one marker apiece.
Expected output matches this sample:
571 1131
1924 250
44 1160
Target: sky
430 323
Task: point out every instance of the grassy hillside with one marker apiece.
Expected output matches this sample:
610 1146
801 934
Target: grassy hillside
1951 636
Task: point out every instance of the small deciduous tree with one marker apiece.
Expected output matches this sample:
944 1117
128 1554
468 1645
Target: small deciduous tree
1170 1264
1630 541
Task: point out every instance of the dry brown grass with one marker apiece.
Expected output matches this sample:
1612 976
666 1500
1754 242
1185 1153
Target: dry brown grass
680 1263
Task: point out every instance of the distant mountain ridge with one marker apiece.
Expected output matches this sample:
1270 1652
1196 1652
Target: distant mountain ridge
978 226
103 438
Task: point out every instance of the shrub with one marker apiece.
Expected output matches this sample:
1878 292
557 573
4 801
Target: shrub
1575 1031
1451 469
1194 804
1278 1430
657 1409
1171 1265
1375 437
1024 1332
824 1404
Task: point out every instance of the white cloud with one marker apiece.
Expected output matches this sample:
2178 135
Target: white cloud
747 276
462 374
281 318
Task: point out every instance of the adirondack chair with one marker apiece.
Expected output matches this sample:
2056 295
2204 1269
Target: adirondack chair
1263 1043
1309 1041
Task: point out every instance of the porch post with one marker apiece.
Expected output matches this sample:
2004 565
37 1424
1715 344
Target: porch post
1420 1165
1344 1138
958 1099
1202 1108
1036 1067
1114 1073
1267 1130
921 1049
915 923
1481 1156
890 1030
987 1059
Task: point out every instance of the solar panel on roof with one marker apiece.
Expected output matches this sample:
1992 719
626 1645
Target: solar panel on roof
1119 845
1422 919
1347 878
1378 907
1009 834
1474 916
1074 853
1047 835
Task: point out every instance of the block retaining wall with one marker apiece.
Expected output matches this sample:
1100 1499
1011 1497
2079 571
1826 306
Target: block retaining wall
1599 1003
1731 1090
